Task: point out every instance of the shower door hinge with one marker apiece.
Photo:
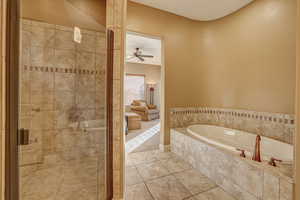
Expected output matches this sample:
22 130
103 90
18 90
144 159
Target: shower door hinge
23 138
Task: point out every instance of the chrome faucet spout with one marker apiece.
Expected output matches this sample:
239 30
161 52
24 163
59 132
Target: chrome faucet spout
256 154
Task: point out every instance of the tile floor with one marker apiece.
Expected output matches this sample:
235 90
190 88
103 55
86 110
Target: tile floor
155 175
148 132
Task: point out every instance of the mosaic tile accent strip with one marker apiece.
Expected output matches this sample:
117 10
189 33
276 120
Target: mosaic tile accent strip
62 70
273 125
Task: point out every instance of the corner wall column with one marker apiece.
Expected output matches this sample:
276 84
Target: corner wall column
116 14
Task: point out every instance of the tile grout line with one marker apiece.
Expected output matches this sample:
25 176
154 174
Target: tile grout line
172 174
149 190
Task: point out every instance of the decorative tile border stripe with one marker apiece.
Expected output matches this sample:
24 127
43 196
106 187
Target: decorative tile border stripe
63 70
280 118
274 125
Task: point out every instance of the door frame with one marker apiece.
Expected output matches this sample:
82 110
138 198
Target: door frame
12 99
163 146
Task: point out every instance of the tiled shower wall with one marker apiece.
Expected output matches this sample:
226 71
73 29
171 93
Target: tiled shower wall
61 82
273 125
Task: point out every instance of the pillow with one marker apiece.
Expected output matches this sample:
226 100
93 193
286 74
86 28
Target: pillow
142 103
139 108
136 103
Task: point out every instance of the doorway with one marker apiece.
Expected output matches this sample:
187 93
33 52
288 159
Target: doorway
143 92
57 142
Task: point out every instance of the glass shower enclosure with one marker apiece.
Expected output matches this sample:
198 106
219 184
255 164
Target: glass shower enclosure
62 100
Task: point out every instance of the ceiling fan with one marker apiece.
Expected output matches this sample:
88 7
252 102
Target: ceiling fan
139 54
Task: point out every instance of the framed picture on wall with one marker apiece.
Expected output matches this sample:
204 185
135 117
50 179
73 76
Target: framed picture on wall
134 85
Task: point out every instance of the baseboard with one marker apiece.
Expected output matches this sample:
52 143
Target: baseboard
164 148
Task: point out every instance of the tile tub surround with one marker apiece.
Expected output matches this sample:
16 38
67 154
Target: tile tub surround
273 125
61 82
243 178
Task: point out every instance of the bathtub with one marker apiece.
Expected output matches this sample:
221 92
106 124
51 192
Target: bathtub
232 140
211 150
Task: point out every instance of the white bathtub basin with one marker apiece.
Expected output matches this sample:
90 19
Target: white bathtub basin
232 139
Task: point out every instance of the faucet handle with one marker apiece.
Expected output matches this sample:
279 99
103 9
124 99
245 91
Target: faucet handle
242 152
273 161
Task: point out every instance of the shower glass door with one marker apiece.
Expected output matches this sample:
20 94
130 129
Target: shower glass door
62 100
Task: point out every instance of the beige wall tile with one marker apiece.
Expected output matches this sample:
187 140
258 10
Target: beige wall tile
64 81
85 60
100 61
42 80
100 43
43 37
286 190
88 43
42 56
245 180
64 40
271 187
64 100
65 58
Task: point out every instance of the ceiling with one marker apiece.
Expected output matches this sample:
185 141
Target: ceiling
203 10
148 45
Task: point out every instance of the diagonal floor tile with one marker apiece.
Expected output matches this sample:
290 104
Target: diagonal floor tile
190 198
214 194
160 155
128 161
152 170
138 192
167 188
132 176
174 164
141 157
194 181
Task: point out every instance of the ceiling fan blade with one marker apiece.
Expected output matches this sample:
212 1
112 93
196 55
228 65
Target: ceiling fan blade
140 58
147 56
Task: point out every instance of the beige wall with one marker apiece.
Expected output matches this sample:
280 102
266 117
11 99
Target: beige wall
245 60
89 14
152 74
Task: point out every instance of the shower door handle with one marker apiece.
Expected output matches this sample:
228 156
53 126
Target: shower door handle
23 137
